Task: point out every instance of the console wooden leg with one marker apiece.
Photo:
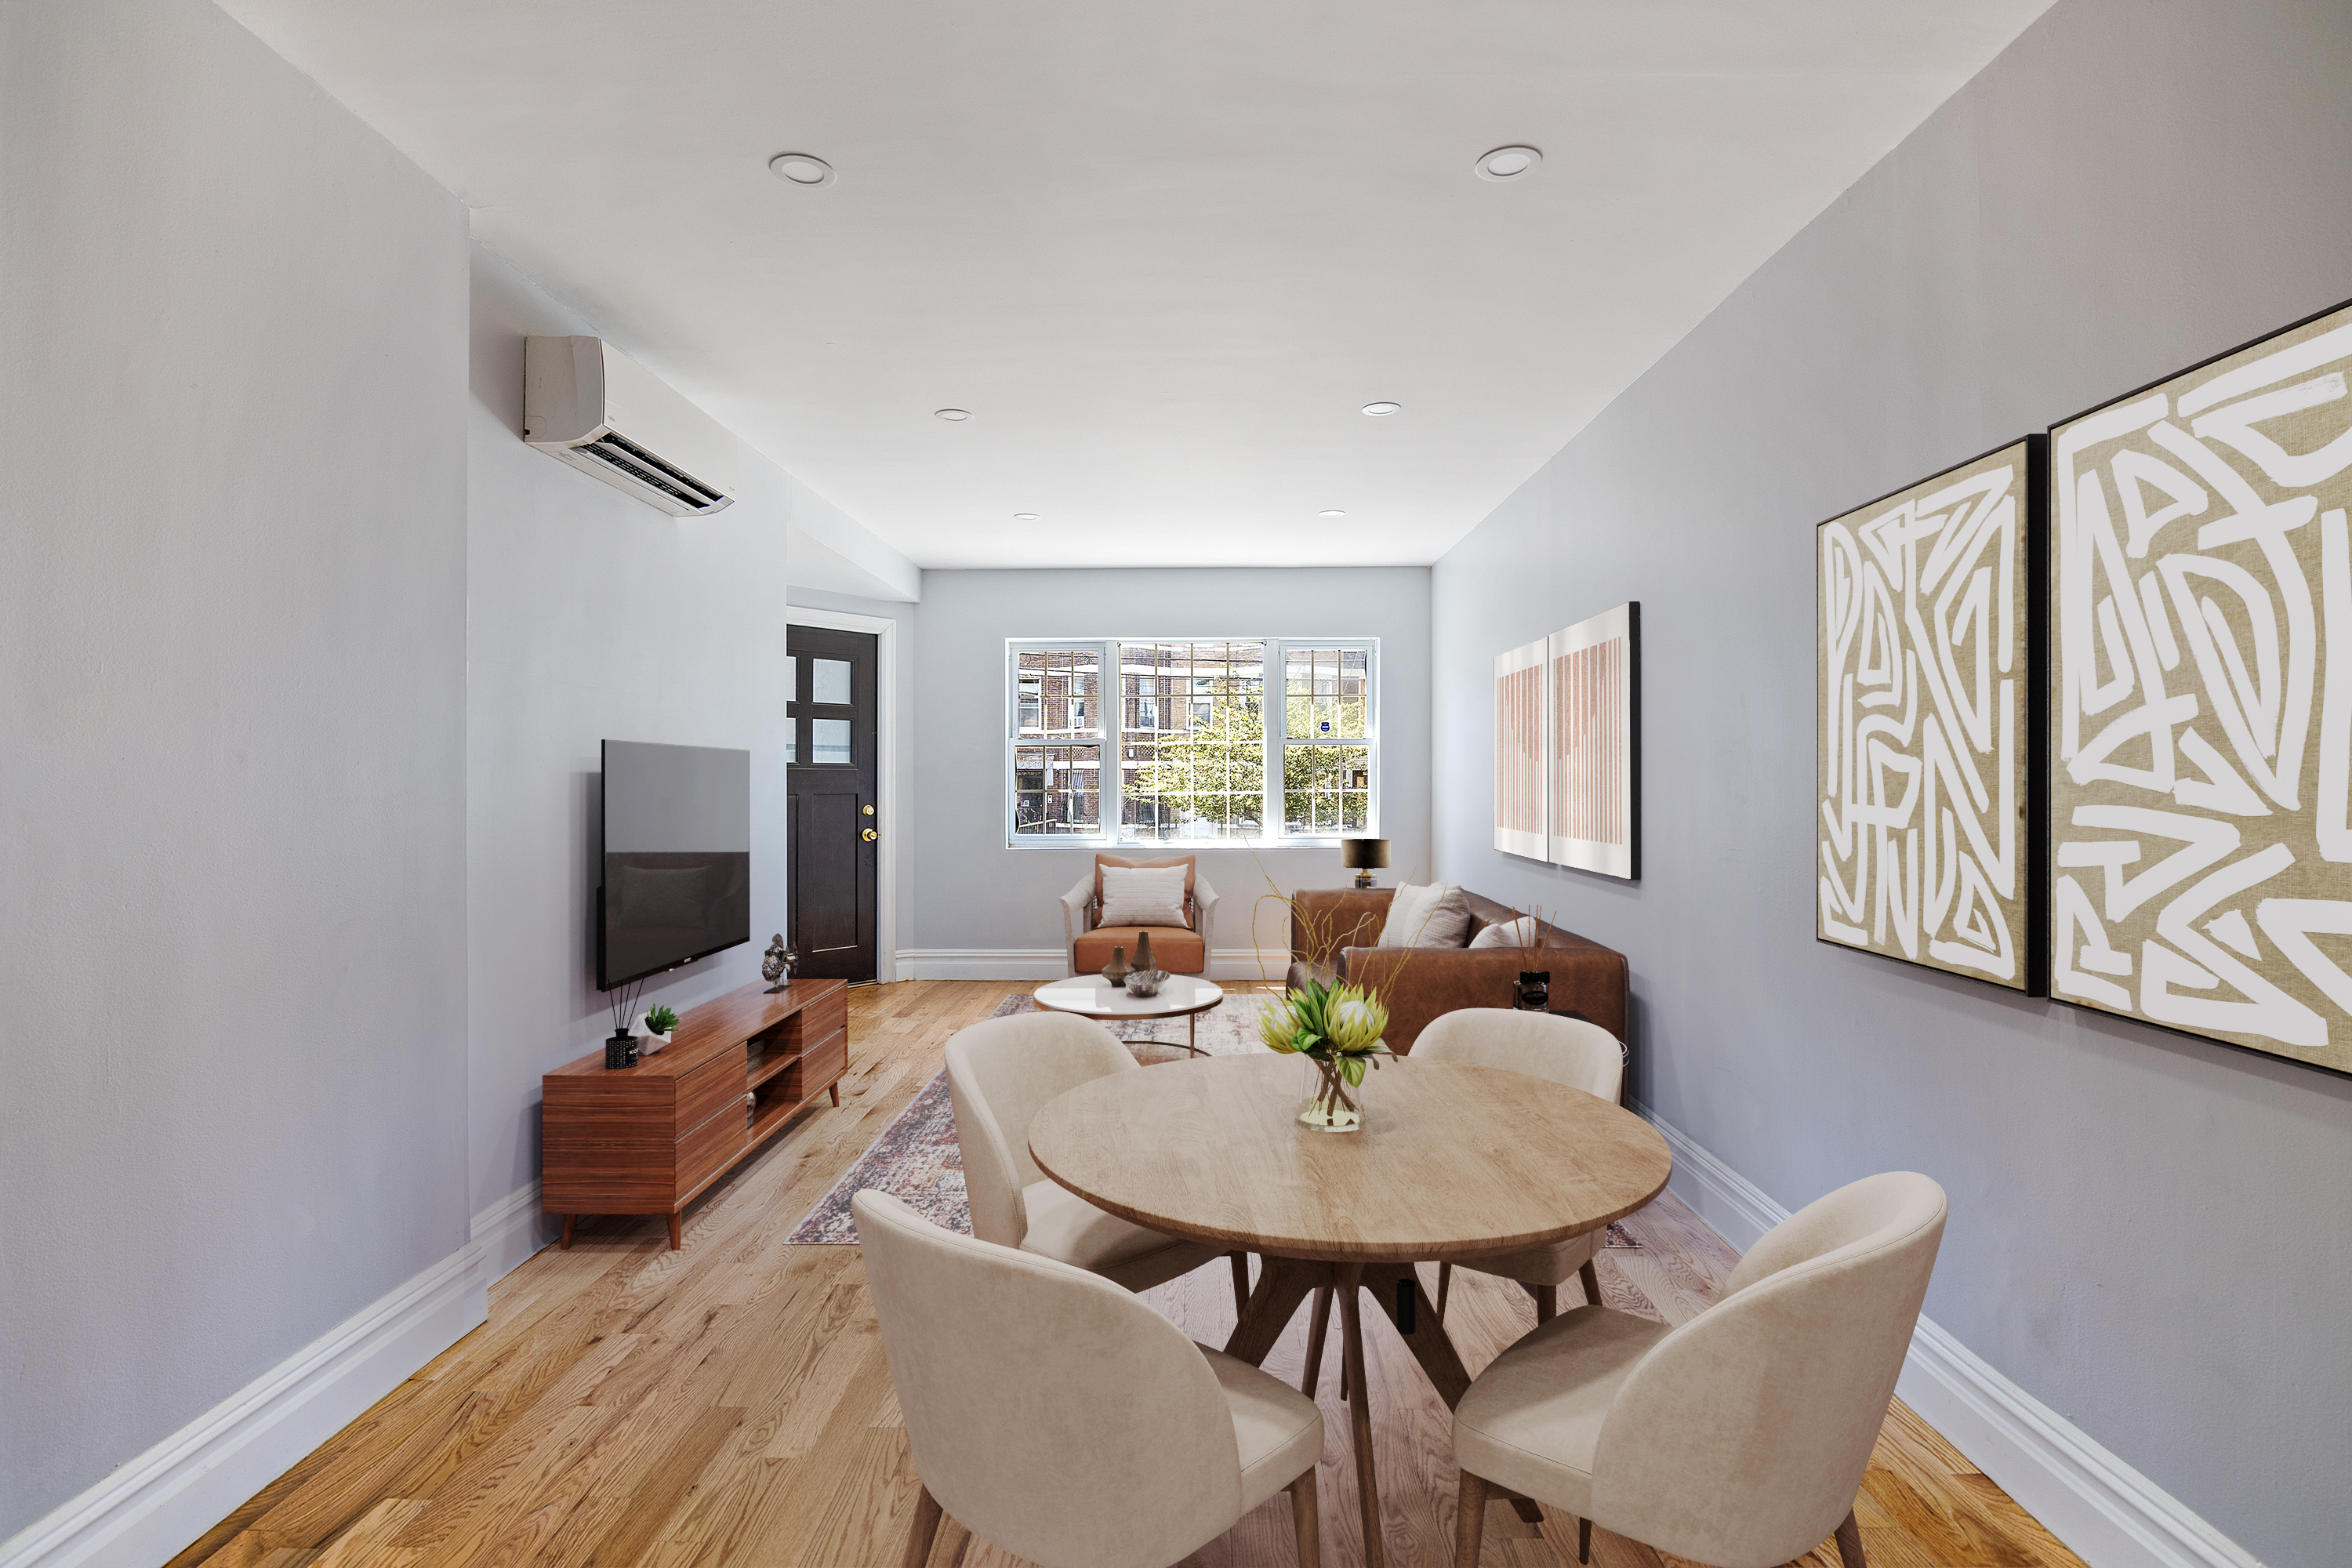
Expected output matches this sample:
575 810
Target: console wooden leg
676 1232
834 1089
1319 1328
926 1529
1591 1282
566 1243
1469 1521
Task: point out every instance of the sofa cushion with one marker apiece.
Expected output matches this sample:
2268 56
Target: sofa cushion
1524 932
1173 949
1436 915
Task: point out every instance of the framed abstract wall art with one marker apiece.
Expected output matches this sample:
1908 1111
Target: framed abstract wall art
1519 750
1927 743
1594 742
2200 724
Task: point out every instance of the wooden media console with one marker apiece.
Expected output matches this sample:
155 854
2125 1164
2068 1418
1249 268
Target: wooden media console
649 1139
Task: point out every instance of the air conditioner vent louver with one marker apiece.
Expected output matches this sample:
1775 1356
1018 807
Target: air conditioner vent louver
590 405
647 469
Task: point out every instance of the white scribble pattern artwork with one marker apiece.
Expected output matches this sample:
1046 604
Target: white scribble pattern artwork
2201 690
1923 670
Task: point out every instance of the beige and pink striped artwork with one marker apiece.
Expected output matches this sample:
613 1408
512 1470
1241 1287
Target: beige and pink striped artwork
1593 745
1519 751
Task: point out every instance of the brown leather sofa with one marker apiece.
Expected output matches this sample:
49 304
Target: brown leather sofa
1331 931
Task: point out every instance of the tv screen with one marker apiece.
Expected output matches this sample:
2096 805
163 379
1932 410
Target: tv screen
676 858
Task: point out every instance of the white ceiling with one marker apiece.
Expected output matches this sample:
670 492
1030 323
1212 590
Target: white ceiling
1162 253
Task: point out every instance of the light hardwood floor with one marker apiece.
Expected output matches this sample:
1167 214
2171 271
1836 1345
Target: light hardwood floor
729 1404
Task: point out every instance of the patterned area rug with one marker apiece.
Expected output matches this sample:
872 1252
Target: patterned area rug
916 1158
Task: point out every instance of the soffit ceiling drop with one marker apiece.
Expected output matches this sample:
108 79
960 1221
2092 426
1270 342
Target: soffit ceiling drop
1163 255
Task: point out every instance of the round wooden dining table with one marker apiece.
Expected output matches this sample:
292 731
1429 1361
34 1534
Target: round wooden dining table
1453 1163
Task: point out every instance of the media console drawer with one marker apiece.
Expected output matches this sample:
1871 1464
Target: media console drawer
645 1139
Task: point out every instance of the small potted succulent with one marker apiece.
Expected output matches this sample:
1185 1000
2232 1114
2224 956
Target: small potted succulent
1336 1030
656 1023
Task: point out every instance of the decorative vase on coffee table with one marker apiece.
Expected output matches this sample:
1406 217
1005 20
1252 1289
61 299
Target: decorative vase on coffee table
1116 971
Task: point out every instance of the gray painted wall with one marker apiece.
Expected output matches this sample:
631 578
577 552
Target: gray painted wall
2148 1233
592 615
971 891
232 886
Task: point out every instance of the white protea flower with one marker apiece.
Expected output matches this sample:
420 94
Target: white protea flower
1357 1024
1277 1029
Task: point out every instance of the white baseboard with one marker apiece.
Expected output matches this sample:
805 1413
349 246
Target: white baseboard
1042 963
505 1233
2109 1514
150 1509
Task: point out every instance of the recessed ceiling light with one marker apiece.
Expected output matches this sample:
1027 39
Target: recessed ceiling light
1330 514
1024 517
1508 164
953 415
1378 410
801 169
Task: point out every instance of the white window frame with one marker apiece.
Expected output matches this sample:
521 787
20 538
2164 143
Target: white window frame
1111 699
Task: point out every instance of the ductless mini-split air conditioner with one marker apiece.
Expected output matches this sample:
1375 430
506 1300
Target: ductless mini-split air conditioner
585 402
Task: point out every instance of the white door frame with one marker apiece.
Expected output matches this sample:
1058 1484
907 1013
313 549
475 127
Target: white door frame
886 768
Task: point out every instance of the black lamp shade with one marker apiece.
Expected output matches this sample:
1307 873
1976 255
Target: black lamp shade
1363 854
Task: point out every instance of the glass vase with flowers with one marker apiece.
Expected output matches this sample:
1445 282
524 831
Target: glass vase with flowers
1334 1030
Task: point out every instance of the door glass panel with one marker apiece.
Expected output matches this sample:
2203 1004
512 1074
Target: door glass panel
791 741
830 744
829 682
792 681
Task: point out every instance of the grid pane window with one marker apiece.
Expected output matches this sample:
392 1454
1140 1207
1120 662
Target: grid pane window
1058 791
1183 733
1197 769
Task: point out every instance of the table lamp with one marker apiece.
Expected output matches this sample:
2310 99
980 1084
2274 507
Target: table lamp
1361 854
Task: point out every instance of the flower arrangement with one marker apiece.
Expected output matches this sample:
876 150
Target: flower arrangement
1337 1029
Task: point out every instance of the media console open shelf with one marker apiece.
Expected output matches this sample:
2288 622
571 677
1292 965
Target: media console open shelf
649 1139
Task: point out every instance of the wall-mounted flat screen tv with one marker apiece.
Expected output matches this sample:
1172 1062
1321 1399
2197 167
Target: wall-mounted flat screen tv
676 858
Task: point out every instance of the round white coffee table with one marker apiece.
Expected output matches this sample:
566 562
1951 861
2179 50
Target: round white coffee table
1092 997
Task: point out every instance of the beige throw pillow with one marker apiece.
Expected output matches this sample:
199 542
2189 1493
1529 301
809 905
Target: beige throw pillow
1521 932
1432 916
1137 897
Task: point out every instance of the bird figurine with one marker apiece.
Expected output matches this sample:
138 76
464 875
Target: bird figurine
776 965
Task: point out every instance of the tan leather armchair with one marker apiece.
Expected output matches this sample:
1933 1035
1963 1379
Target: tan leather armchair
1174 949
1001 1072
1739 1438
1567 1051
1062 1420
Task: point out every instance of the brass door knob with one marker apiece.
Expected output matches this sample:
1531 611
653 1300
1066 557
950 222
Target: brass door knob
865 811
870 835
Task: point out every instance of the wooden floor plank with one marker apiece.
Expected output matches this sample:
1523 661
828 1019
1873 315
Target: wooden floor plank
628 1407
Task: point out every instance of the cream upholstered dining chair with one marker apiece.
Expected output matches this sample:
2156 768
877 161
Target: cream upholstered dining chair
1001 1073
1740 1438
1177 947
1060 1419
1566 1050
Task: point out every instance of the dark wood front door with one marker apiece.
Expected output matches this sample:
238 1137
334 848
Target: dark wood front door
835 821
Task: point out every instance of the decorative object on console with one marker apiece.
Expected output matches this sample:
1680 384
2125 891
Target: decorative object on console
1519 769
1117 970
776 963
1336 1031
1927 698
655 1025
1593 737
1534 990
620 1047
621 1051
1363 856
2200 736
